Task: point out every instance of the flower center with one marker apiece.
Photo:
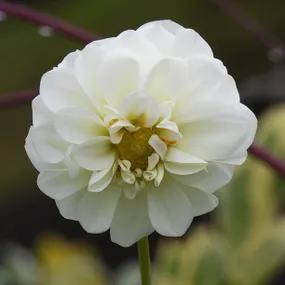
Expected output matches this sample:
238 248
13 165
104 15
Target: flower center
134 147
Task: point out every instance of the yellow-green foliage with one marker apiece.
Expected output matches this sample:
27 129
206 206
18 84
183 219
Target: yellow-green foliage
55 261
245 245
62 262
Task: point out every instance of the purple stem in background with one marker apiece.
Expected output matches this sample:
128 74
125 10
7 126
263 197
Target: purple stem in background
266 156
41 19
17 98
261 33
85 37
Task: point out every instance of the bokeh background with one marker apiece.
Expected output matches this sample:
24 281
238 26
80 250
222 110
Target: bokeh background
242 242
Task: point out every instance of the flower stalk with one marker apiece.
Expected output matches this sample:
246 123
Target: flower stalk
144 261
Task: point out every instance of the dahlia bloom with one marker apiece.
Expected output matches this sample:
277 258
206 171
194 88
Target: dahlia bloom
135 133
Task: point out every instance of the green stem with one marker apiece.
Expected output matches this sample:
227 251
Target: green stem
144 260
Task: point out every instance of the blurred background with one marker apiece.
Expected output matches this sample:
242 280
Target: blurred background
241 242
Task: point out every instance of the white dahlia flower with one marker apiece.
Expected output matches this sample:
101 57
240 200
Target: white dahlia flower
135 133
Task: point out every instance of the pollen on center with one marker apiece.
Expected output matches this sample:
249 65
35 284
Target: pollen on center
134 147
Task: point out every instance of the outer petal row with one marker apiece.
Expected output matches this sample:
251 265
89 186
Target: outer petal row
218 132
127 219
173 206
96 210
212 178
172 39
58 184
96 154
169 210
60 89
78 125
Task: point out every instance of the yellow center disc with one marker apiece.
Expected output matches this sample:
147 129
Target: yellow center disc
135 148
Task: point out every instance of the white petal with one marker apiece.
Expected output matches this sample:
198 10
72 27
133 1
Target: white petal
116 130
32 153
57 184
101 179
120 124
71 165
140 110
68 62
112 115
78 125
129 191
202 202
168 25
226 90
128 177
170 210
189 43
135 43
205 74
150 175
96 210
97 154
49 146
87 70
169 131
204 77
153 160
131 221
218 132
182 163
59 89
212 178
158 145
41 114
118 78
160 174
68 207
167 80
159 33
125 164
37 160
106 79
107 43
116 137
